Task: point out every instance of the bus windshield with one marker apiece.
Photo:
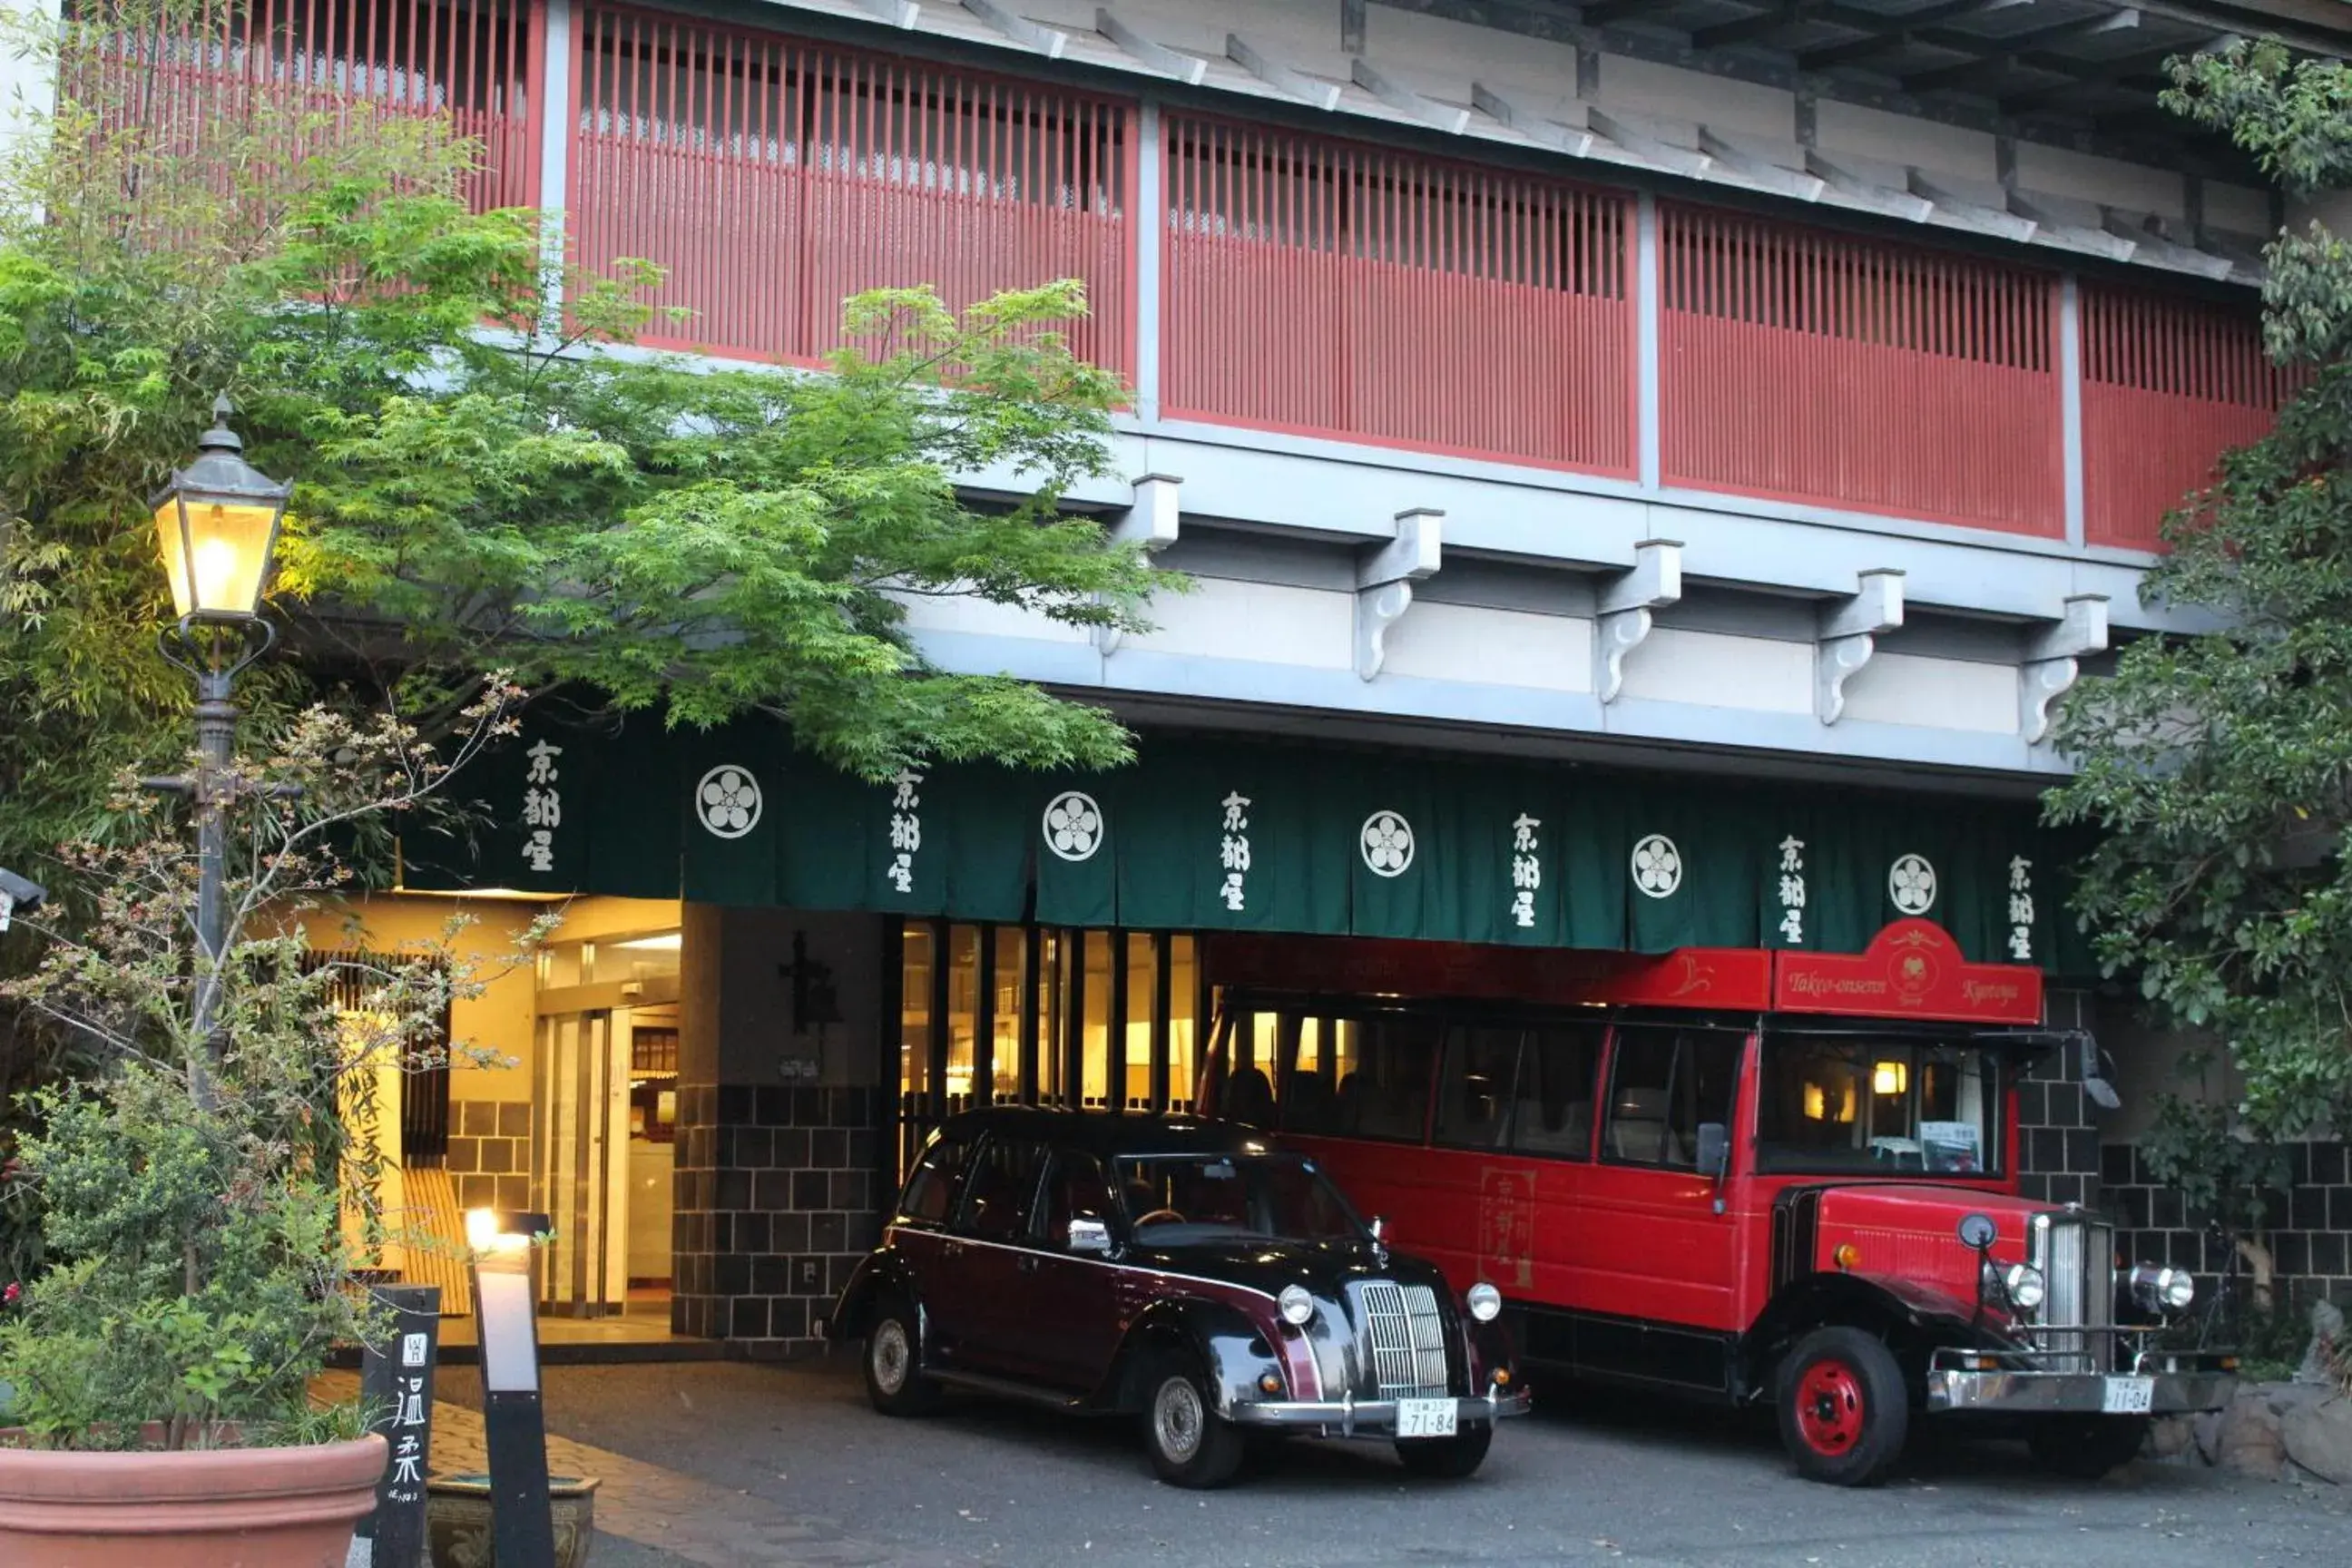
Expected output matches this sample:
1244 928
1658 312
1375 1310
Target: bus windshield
1175 1200
1849 1103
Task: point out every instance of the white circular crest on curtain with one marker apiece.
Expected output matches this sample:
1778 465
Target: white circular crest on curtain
728 802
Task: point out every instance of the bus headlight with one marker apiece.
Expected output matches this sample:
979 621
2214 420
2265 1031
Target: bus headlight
2024 1284
1296 1305
1485 1302
2160 1289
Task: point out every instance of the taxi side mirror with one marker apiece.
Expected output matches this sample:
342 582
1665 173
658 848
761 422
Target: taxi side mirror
1091 1237
1713 1148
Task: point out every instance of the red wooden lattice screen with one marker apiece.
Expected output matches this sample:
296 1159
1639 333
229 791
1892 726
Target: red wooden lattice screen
1331 288
473 60
1808 365
774 178
2168 385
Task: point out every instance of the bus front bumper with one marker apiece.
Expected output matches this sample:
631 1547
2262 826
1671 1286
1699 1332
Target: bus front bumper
1369 1418
2023 1393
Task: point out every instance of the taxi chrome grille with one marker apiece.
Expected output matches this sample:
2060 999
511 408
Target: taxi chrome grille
2076 1255
1406 1335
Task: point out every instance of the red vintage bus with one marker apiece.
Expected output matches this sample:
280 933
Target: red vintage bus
1741 1174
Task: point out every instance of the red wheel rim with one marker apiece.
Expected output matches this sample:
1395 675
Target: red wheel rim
1830 1409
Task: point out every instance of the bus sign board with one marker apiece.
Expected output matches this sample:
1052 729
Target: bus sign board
1911 970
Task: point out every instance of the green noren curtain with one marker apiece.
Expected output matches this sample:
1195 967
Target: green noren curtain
1219 833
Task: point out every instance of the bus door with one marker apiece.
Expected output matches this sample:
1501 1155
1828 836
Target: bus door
1658 1284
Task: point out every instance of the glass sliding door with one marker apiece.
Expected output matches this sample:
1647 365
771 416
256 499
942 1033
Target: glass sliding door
580 1180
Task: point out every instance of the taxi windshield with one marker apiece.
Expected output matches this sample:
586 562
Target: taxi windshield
1884 1107
1174 1200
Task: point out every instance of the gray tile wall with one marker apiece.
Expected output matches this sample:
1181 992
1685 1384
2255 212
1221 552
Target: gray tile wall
489 1153
777 1198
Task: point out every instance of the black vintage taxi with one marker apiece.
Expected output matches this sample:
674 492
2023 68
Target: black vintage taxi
1185 1271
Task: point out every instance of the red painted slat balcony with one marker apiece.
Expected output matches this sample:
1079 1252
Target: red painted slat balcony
2168 385
302 61
1330 289
775 178
1811 366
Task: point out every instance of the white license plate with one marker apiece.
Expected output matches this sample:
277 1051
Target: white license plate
1425 1418
2130 1395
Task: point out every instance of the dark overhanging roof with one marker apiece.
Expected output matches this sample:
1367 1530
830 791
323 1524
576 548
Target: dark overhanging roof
2081 73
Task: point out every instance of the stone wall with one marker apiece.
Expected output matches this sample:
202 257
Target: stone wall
489 1154
2058 1147
776 1192
780 1149
2311 1225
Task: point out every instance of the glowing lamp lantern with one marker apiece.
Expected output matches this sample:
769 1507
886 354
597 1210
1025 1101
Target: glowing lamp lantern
1890 1077
217 525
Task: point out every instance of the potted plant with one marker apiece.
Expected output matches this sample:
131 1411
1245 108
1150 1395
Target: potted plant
204 1196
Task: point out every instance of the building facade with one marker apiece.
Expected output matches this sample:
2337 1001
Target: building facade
1644 473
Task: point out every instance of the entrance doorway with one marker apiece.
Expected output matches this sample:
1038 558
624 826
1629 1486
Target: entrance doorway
604 1100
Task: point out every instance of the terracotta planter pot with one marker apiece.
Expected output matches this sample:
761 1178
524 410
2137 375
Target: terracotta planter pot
219 1507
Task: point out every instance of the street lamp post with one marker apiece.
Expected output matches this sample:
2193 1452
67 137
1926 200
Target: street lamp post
217 525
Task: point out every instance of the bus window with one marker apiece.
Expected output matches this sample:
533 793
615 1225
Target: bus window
1475 1086
1309 1101
1249 1084
1555 1080
1383 1088
1665 1083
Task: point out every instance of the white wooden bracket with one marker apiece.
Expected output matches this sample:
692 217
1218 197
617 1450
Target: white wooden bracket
1648 143
901 14
1404 101
1187 69
1971 208
1047 41
1865 183
2051 660
1751 163
1384 583
1623 620
1281 78
1573 140
1152 520
1848 635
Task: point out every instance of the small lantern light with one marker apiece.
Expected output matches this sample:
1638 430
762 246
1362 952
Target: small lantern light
1890 1077
217 524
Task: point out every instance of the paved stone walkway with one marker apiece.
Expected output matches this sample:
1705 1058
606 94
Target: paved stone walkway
674 1515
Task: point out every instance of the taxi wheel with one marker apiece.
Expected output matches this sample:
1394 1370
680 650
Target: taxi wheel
1843 1407
2086 1448
894 1383
1191 1444
1447 1459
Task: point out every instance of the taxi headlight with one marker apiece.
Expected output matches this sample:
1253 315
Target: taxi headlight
1485 1302
1297 1307
2159 1289
2024 1284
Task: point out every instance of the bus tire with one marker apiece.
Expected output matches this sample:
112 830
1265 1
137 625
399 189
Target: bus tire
1843 1407
2086 1448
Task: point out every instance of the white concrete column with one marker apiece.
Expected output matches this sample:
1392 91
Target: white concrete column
1646 283
1151 223
2070 399
555 121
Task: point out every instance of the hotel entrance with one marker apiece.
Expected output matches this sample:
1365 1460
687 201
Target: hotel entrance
604 1100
